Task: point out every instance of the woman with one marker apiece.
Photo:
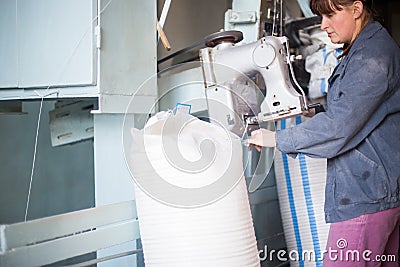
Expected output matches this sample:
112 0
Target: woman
359 135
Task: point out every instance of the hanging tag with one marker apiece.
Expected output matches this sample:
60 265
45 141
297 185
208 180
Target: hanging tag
182 108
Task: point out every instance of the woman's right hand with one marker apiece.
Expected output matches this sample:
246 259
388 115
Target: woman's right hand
261 138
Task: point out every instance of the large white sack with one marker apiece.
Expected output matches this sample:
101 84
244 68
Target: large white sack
191 195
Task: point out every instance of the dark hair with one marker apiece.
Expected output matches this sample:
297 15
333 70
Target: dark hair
324 7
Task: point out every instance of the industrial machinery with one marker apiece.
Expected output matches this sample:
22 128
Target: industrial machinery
268 57
93 69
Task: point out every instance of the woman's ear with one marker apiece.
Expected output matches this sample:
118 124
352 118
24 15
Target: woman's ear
358 8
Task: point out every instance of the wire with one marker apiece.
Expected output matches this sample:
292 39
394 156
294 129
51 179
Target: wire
293 76
34 159
41 105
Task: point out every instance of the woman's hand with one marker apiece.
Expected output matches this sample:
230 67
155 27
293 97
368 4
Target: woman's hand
261 138
309 113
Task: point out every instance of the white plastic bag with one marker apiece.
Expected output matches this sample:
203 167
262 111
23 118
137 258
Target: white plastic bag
191 195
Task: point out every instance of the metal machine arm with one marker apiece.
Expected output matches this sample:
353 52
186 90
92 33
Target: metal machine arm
268 57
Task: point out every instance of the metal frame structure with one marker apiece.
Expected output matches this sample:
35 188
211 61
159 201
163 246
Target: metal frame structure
48 240
114 45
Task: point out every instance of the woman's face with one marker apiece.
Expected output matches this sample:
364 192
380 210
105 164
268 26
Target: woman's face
341 25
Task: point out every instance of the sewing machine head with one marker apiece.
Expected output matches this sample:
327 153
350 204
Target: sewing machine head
231 73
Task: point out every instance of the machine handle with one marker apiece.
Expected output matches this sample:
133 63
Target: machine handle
317 106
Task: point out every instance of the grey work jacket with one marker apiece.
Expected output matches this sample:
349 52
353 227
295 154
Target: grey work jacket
359 133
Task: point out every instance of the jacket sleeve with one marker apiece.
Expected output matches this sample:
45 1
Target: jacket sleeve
355 109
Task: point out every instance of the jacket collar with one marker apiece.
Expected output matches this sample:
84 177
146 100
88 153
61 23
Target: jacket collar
366 33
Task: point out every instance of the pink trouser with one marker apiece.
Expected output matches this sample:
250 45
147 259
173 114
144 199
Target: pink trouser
368 240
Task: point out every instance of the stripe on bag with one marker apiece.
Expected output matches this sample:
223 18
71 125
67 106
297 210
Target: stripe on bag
310 205
291 201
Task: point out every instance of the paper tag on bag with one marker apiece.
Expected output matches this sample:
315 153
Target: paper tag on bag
182 108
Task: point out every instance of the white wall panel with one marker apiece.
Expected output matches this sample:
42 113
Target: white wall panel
55 42
8 44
